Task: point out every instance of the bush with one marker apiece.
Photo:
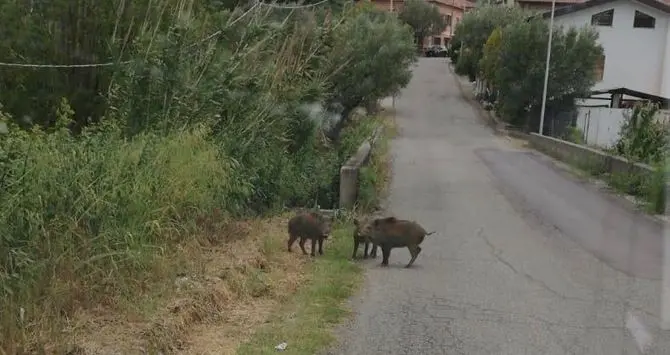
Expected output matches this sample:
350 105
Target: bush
216 110
508 50
363 67
516 65
424 18
83 216
574 135
475 29
655 189
642 138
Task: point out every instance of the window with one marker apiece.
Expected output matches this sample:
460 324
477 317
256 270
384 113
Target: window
643 20
599 70
437 41
447 20
603 18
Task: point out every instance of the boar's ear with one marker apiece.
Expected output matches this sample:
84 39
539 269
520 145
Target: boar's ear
390 220
356 222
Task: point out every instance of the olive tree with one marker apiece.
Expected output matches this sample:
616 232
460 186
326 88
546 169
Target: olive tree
424 18
370 58
474 30
516 66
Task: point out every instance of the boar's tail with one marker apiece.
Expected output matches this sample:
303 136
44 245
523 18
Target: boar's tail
433 232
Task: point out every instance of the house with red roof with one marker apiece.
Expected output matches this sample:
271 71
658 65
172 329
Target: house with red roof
452 10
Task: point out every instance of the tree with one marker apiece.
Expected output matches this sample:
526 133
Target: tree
490 55
643 138
425 19
371 56
519 67
474 30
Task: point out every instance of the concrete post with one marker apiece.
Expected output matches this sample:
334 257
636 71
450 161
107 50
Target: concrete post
665 286
616 100
348 186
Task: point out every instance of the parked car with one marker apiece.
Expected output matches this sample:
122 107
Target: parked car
436 51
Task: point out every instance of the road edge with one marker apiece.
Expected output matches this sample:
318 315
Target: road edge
627 201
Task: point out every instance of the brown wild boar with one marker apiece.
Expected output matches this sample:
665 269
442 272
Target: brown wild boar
389 233
308 225
361 237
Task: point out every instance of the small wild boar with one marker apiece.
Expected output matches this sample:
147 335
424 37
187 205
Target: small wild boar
308 225
361 237
389 233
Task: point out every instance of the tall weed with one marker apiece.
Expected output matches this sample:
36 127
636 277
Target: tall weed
205 115
83 217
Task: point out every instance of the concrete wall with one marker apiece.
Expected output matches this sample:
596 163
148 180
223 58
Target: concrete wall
583 156
601 125
634 57
349 171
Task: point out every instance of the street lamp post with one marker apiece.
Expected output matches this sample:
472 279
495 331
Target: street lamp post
546 69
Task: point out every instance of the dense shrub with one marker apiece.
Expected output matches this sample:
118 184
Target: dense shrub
364 68
474 30
424 18
642 137
211 109
507 49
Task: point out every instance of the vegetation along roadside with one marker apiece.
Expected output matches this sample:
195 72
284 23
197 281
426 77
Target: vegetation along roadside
144 202
504 49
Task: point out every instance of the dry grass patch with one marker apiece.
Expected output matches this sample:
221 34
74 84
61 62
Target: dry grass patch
305 322
225 284
232 288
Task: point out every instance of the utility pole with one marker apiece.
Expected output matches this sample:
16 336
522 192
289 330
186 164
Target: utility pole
665 283
546 69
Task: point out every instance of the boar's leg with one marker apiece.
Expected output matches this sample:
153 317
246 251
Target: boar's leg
414 250
373 252
313 250
291 240
365 250
386 253
321 245
302 245
356 242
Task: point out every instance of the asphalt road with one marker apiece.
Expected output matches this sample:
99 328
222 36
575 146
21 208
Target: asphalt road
526 259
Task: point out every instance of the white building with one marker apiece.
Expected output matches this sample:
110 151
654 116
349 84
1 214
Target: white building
635 36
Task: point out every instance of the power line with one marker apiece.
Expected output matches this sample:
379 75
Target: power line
292 6
256 4
107 64
89 65
217 33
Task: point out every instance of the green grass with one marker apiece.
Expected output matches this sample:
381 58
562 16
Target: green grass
306 322
94 218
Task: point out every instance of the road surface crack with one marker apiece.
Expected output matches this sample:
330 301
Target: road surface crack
497 254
